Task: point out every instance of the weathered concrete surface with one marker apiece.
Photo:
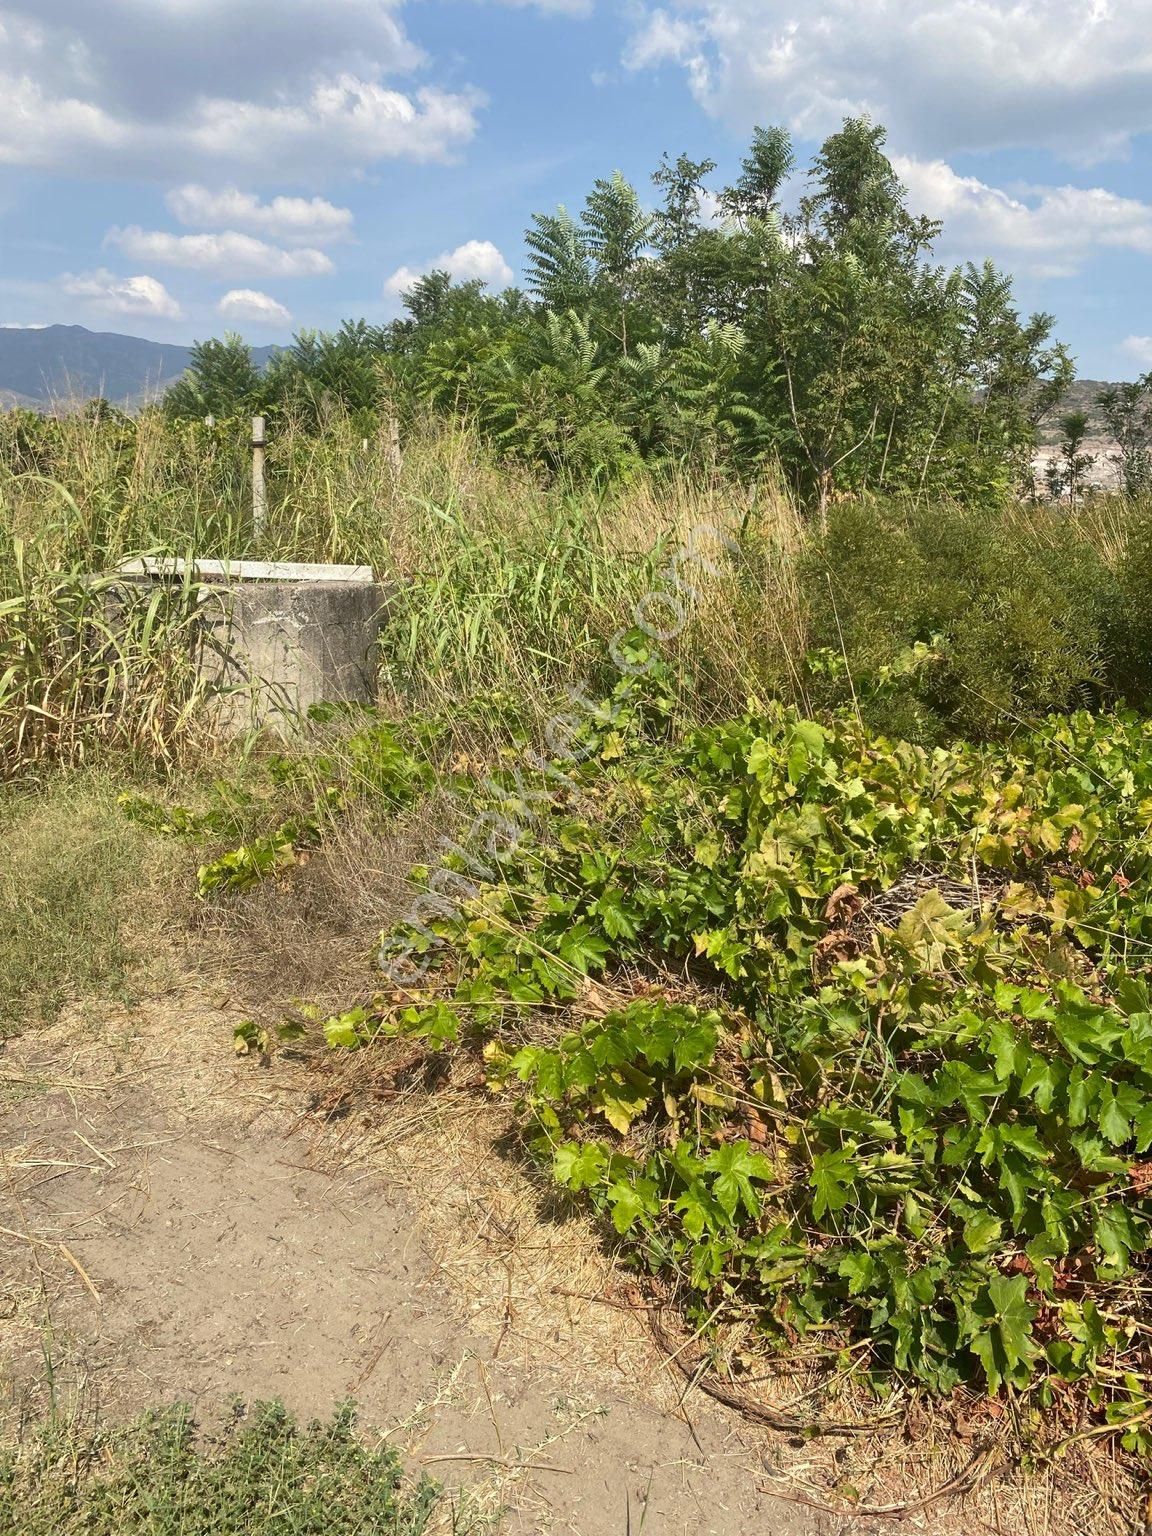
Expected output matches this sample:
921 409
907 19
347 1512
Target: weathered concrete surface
276 638
246 570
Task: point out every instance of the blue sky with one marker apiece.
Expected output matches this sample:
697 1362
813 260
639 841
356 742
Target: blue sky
175 168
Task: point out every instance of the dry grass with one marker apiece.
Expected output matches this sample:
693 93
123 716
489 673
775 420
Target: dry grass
303 937
88 902
505 586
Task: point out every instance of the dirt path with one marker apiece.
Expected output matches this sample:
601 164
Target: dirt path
180 1224
186 1236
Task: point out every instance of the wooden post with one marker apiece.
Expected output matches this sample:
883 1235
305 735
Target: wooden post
393 456
259 489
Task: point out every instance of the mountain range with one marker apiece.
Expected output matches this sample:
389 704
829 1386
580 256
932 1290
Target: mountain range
52 364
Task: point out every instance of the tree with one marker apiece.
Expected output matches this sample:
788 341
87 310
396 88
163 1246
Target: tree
1127 412
764 171
678 220
323 371
559 264
858 199
1068 474
221 381
615 230
723 331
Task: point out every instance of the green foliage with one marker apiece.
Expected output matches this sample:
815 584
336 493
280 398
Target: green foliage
906 1100
1129 626
86 658
221 381
559 267
1127 412
261 1474
859 365
765 169
375 763
949 619
1068 473
321 373
254 861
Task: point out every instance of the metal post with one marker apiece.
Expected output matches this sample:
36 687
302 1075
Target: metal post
259 489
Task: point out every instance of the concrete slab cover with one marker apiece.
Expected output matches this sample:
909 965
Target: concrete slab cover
245 570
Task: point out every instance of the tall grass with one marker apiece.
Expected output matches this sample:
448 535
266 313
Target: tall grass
86 663
503 585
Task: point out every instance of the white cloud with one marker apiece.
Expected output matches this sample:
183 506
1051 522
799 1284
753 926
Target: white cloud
291 91
140 295
345 122
1049 230
1139 349
1074 75
227 254
248 304
298 220
474 259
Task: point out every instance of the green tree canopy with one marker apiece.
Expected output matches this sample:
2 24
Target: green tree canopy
737 327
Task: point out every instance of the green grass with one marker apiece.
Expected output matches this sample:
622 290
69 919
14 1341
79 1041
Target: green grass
82 891
261 1475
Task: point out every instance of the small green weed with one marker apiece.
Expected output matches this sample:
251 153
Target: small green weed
263 1475
372 765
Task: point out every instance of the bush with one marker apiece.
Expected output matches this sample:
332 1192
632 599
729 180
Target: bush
945 620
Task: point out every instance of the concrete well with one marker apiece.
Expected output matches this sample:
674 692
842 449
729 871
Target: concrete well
277 637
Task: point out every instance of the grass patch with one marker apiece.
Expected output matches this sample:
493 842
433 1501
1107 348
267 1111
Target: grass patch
83 897
262 1475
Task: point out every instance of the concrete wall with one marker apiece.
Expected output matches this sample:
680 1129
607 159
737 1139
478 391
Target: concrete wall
275 639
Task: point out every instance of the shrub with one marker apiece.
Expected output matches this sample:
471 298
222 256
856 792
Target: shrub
1010 610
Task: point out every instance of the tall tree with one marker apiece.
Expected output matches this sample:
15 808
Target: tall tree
763 172
221 381
1127 412
559 265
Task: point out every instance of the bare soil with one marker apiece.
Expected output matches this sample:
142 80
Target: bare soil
175 1233
183 1225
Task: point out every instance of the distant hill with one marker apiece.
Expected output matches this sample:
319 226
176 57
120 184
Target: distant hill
63 363
1081 396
